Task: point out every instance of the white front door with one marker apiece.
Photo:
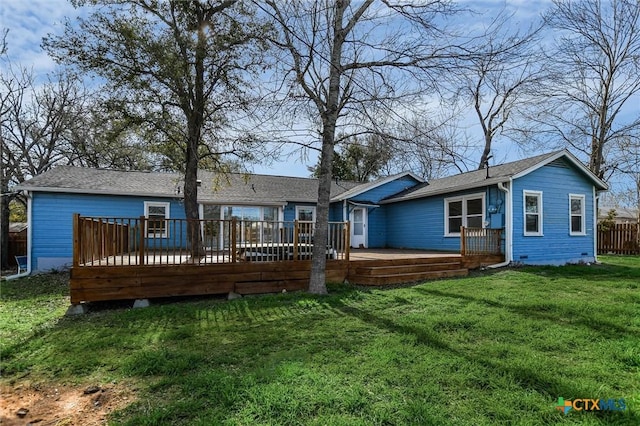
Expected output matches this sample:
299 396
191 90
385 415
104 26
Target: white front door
358 218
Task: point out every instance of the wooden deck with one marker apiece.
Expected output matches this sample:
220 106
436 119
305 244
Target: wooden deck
365 267
140 258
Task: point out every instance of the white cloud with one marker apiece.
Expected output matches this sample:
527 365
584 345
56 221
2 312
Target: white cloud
28 21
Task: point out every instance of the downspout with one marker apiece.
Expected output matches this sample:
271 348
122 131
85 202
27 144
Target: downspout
508 240
596 197
29 230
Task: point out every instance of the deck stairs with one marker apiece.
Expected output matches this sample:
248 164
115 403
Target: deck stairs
400 271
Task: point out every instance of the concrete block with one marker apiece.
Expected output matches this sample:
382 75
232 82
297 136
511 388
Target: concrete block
79 309
141 303
232 296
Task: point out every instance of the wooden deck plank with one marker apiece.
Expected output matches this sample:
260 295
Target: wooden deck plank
99 283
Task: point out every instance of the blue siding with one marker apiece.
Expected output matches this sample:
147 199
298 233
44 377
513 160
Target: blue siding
377 228
420 224
335 212
377 217
556 181
289 212
52 227
383 191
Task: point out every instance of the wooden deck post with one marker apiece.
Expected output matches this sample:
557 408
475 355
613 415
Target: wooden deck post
463 241
142 241
76 239
347 239
295 240
234 239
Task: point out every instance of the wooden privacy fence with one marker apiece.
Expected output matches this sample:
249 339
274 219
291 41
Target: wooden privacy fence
17 246
480 241
100 241
621 238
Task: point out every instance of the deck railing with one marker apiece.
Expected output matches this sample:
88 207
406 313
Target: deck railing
102 241
480 241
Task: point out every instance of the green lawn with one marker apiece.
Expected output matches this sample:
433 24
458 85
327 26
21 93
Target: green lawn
498 347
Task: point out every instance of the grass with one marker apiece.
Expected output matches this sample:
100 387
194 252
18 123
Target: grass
498 347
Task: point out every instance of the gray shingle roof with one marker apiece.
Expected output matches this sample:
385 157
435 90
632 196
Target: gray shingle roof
217 188
364 187
478 178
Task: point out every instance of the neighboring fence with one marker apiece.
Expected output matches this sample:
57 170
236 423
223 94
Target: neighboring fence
101 241
621 238
480 241
17 245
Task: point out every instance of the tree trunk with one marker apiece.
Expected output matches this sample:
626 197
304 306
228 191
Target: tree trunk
487 150
194 112
4 225
4 211
317 282
191 201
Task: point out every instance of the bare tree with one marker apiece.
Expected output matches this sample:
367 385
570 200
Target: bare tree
175 67
592 104
431 148
498 81
34 123
343 64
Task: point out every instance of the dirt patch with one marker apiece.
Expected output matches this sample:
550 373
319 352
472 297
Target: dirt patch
48 405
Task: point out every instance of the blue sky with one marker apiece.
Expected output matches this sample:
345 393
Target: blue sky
30 20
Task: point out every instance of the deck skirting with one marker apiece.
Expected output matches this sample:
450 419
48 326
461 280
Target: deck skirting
102 283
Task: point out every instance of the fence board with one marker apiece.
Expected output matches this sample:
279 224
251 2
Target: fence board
621 238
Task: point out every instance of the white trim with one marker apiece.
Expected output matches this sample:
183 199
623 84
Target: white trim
463 199
508 230
313 210
538 195
360 189
583 215
167 215
595 224
365 222
572 159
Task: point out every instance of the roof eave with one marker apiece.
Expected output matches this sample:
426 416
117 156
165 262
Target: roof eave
346 195
93 192
599 183
487 182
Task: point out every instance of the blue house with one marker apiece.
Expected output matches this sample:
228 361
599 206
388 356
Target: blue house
544 206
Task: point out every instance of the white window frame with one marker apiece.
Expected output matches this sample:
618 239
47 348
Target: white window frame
167 215
312 208
464 198
538 194
583 215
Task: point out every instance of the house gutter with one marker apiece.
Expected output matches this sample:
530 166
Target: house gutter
596 197
29 230
508 231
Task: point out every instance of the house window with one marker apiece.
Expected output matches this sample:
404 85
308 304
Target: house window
576 214
157 215
532 213
306 213
464 211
